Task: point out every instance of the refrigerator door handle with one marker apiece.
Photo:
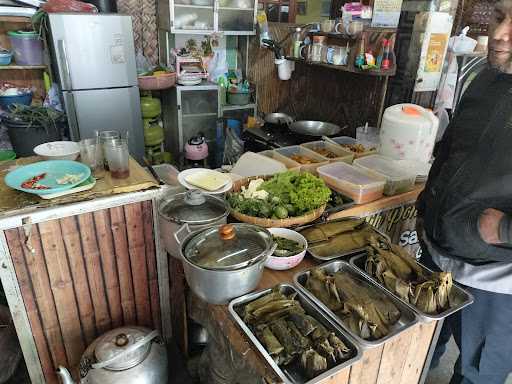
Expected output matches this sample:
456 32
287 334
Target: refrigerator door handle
66 75
74 130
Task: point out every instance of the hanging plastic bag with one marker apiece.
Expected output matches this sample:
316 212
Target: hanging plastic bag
233 147
218 65
54 6
462 43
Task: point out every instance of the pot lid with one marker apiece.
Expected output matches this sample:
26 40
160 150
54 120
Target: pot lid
118 340
227 247
193 207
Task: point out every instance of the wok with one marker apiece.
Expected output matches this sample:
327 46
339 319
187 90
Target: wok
278 118
314 128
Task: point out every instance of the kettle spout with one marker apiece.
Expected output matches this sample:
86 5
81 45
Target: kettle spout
65 376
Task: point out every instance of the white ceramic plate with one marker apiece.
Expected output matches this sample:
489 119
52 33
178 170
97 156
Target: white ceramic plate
188 82
182 176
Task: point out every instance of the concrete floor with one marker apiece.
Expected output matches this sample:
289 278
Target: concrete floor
443 373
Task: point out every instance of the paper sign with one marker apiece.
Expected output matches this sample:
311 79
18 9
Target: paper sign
386 13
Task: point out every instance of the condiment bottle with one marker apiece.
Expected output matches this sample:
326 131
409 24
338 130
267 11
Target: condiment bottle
386 55
296 43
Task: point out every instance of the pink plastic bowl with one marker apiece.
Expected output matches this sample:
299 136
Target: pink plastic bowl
284 263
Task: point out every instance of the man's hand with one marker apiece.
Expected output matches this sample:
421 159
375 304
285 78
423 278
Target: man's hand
489 224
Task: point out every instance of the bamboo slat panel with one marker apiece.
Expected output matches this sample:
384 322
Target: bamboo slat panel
83 275
313 92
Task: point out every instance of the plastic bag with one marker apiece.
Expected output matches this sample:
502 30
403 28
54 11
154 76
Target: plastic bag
217 66
53 6
462 43
143 64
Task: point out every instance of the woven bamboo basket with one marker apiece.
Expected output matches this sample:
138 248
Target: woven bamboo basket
272 223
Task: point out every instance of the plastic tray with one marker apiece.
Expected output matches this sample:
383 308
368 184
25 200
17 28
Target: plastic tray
350 140
287 374
397 180
353 182
288 152
459 298
289 163
342 154
407 319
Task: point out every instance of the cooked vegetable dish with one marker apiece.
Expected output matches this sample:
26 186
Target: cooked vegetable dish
286 247
357 148
325 152
292 337
301 159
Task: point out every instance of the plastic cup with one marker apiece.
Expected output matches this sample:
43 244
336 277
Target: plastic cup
118 158
91 154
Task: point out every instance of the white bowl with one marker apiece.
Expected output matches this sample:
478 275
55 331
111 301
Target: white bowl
284 263
58 150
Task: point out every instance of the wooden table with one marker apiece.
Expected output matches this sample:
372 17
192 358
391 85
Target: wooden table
402 360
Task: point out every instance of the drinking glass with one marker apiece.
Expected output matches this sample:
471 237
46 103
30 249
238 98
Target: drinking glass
106 136
91 154
118 157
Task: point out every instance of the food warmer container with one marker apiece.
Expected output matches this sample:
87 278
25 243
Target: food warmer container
398 180
290 374
353 182
459 298
193 208
225 261
408 132
407 319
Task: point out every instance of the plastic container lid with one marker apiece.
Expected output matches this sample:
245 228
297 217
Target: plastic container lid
193 207
23 34
345 173
228 247
384 166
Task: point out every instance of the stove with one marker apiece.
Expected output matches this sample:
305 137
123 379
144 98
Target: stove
271 136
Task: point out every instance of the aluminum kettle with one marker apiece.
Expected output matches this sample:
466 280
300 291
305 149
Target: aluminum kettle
127 355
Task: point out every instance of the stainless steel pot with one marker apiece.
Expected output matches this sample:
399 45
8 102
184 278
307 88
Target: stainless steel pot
193 208
314 128
225 261
128 355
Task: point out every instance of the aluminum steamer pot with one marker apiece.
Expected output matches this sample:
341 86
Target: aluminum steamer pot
193 208
225 261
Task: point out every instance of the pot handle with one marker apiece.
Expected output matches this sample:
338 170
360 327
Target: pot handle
146 339
177 234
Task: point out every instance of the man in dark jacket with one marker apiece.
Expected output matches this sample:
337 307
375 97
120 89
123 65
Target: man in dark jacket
466 211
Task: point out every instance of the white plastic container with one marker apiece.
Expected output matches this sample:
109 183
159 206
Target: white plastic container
288 163
408 132
356 183
397 180
296 150
346 142
339 153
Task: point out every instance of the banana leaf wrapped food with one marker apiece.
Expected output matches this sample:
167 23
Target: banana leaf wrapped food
293 338
367 312
398 271
337 237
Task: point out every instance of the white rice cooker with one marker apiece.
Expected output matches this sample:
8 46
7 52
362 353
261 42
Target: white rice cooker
408 132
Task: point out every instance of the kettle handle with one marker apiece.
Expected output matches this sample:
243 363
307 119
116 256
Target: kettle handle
146 339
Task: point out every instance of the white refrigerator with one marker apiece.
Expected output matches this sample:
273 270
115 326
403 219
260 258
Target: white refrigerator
93 59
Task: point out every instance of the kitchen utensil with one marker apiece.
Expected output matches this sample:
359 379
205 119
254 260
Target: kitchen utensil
5 57
278 118
283 263
128 355
193 208
54 170
153 172
58 150
314 128
224 261
408 131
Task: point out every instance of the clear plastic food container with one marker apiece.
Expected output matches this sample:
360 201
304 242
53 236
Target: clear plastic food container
347 142
397 180
289 163
308 160
353 182
331 152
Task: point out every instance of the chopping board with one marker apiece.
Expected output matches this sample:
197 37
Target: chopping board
12 200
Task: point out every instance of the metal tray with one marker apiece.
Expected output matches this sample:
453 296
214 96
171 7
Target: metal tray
342 254
290 376
407 320
458 296
347 203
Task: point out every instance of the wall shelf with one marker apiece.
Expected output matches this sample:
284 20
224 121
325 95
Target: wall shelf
349 68
194 6
21 67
